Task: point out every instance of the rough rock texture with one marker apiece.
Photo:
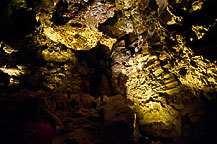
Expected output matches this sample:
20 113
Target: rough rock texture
116 71
118 121
77 31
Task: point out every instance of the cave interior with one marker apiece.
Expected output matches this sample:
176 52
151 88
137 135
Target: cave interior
112 71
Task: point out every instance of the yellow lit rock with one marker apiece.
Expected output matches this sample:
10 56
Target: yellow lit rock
7 48
154 112
125 4
132 19
16 71
58 56
77 38
200 31
162 88
13 82
175 19
197 5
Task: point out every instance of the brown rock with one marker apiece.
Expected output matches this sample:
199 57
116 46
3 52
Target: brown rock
118 121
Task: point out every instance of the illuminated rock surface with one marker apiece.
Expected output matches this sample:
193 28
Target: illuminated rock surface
116 71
